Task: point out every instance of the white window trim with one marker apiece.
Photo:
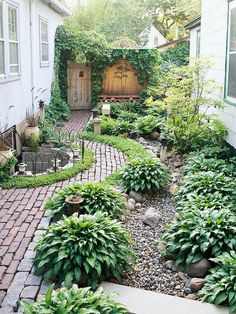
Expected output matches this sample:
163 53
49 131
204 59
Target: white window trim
232 5
198 42
10 76
43 63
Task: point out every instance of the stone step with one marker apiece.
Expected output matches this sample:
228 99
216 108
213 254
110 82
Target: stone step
140 301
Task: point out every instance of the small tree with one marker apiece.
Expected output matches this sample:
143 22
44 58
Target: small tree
189 96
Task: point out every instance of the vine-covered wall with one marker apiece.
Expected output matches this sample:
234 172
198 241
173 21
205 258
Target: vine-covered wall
92 48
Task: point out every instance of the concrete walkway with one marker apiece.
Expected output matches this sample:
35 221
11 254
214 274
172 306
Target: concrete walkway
146 302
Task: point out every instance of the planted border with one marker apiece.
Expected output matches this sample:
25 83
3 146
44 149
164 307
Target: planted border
33 182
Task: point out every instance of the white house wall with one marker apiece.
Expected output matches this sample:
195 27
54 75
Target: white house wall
18 92
193 42
213 47
151 34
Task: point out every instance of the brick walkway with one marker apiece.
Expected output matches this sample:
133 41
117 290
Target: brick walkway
20 218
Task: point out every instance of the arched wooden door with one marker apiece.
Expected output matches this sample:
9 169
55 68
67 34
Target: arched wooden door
79 86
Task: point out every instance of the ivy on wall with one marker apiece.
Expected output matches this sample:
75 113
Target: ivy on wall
92 49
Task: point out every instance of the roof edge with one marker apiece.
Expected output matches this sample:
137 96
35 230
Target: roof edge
194 23
57 7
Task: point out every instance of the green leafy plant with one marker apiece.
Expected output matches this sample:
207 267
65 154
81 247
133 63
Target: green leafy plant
74 301
144 174
5 169
148 125
109 126
97 197
198 234
123 127
178 55
188 91
128 116
206 183
33 143
220 284
84 250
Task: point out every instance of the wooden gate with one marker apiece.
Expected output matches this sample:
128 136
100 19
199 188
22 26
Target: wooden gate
121 80
79 86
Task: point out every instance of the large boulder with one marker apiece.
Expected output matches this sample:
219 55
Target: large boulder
152 217
138 197
197 284
199 269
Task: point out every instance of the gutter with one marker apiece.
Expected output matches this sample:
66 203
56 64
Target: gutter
58 7
194 23
31 15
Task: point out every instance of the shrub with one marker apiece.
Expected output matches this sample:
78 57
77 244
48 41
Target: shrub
5 169
108 126
206 183
128 116
97 197
84 250
199 234
178 55
148 125
156 108
144 174
220 284
123 127
73 301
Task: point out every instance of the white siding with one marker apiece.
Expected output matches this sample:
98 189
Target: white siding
18 92
151 34
213 46
193 42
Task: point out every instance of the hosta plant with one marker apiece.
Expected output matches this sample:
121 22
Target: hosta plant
73 301
220 284
148 125
200 234
144 174
204 183
97 197
84 250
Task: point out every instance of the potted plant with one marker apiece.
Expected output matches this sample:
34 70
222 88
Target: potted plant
32 126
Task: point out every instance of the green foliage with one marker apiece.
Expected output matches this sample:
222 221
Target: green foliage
97 197
92 48
206 183
198 234
128 116
73 301
188 91
84 250
178 55
220 284
5 169
108 126
33 143
49 179
148 125
58 110
144 174
124 126
156 108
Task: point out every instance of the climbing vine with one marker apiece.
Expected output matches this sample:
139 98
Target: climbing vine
92 49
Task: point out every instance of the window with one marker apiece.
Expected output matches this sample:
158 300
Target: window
2 67
231 54
9 41
44 47
198 44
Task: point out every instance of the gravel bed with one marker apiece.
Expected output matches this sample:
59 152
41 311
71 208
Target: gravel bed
150 273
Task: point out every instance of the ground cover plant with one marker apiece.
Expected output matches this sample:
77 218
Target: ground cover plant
220 283
97 197
199 234
144 174
84 250
73 301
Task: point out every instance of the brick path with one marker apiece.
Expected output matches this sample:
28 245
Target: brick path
20 218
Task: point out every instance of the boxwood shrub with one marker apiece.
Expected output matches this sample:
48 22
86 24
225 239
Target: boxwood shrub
220 284
84 250
198 234
144 174
73 301
97 197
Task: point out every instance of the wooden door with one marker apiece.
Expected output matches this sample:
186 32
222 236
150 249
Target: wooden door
79 86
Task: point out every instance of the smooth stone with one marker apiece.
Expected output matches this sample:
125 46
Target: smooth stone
197 284
131 201
151 217
138 205
138 197
173 189
130 206
191 296
169 264
154 136
199 269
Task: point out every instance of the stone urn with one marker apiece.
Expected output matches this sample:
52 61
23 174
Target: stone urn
74 202
5 155
29 130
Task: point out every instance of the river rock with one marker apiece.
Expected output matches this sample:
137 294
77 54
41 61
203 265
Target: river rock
173 189
131 201
151 217
138 197
191 296
154 136
169 264
199 269
130 206
197 284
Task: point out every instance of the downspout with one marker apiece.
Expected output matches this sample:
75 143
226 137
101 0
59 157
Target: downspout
31 15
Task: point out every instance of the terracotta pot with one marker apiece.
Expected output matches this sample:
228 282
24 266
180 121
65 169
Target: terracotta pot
29 130
5 156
